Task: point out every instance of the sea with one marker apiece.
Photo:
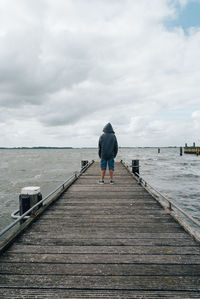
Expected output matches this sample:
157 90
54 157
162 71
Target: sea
175 176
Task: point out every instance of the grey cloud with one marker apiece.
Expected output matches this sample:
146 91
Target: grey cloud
18 101
71 109
28 72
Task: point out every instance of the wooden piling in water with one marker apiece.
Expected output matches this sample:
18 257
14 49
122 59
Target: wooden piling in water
181 151
102 241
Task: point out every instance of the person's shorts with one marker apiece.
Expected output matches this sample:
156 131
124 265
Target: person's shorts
109 162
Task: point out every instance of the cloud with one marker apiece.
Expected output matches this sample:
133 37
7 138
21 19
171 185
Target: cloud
196 121
68 67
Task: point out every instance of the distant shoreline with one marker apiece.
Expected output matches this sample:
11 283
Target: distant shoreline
38 147
69 147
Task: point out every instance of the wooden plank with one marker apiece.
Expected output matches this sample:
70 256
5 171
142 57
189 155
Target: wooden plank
77 222
105 234
112 219
81 212
102 258
139 219
103 194
108 206
90 249
99 225
67 293
98 241
119 201
105 188
59 229
107 203
120 182
190 283
99 269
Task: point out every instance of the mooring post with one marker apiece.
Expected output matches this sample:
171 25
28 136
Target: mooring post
158 150
135 166
28 197
84 163
181 151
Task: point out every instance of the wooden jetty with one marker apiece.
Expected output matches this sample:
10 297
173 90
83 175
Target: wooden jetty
102 241
192 149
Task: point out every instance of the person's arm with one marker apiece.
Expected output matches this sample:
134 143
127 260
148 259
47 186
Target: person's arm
99 147
115 147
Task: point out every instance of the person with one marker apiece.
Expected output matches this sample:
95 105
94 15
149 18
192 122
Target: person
107 149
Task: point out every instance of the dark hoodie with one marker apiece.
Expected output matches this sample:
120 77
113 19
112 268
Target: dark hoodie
108 146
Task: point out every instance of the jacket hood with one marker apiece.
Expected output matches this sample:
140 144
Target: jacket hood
108 129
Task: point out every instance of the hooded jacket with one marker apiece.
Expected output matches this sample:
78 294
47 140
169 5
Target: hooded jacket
108 146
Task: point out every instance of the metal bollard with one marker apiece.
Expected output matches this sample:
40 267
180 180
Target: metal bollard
135 166
28 197
84 163
181 151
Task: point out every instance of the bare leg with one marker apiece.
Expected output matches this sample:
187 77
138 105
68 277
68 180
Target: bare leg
103 174
111 172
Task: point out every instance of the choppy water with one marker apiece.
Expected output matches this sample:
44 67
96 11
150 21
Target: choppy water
178 177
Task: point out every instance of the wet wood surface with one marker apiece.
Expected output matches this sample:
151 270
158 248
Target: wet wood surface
102 241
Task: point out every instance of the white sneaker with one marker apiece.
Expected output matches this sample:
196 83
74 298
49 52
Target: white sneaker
112 182
100 182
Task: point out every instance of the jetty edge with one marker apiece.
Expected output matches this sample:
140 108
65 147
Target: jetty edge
43 206
102 241
166 204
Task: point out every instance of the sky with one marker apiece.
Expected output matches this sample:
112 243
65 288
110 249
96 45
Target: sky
68 67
